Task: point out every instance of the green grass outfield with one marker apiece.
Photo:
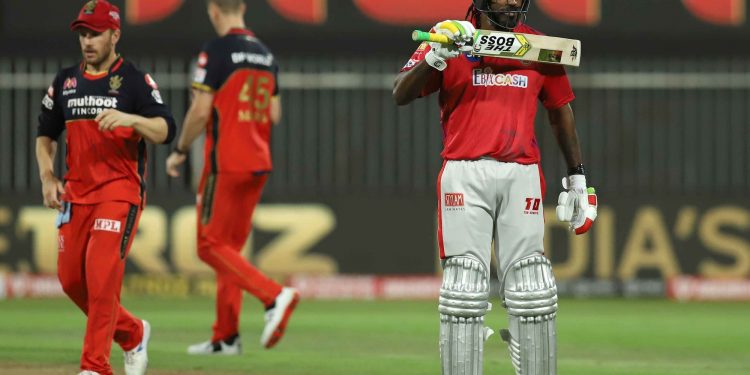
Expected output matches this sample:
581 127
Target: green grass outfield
612 337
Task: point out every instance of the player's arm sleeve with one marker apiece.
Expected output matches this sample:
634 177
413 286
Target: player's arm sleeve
150 104
51 119
556 90
435 80
209 71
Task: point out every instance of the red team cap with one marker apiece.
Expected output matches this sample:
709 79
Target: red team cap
97 15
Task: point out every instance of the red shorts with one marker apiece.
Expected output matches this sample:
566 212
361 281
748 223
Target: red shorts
226 203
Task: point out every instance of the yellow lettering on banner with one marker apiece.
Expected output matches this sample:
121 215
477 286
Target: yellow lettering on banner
173 286
648 246
40 223
150 242
725 244
578 249
604 245
301 227
184 246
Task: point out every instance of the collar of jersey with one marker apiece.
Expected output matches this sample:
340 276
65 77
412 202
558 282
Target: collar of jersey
240 31
111 69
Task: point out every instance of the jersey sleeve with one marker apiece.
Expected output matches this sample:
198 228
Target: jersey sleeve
556 90
149 104
209 71
433 84
51 119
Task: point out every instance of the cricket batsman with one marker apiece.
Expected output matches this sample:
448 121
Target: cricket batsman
236 100
110 110
490 189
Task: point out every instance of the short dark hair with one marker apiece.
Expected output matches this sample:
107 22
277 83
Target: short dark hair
227 6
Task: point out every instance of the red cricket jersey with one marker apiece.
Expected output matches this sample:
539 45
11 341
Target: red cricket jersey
242 73
102 166
488 105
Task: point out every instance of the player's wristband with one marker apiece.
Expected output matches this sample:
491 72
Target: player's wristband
434 61
178 151
578 169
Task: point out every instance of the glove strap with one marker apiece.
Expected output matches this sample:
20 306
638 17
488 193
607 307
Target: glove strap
578 169
434 61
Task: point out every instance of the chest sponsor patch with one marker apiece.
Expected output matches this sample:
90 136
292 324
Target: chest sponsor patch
486 77
91 105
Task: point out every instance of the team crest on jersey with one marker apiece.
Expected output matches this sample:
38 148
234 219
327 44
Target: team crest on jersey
486 77
114 85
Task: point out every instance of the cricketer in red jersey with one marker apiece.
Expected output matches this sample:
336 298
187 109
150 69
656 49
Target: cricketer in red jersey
236 99
490 189
109 109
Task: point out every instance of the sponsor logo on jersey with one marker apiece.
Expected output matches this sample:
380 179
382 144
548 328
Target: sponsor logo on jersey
47 102
532 206
157 96
107 225
486 77
115 82
199 76
151 82
252 58
60 243
70 83
69 86
91 105
202 60
411 63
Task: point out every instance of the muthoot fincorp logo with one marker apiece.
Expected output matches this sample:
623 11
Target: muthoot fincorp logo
91 105
485 77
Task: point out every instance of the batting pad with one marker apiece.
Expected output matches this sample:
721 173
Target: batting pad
530 295
464 300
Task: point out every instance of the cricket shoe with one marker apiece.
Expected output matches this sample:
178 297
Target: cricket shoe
278 316
87 372
231 346
136 360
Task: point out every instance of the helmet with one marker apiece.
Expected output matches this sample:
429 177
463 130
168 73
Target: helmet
507 18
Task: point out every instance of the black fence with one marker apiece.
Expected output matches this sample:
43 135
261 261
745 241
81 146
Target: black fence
661 126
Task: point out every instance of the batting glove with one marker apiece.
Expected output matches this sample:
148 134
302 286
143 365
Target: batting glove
577 204
462 35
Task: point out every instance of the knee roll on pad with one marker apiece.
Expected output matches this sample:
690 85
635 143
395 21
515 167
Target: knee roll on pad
464 300
530 296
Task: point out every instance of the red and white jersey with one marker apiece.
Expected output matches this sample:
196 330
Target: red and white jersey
488 105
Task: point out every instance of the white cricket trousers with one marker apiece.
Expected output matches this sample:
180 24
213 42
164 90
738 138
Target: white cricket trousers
484 200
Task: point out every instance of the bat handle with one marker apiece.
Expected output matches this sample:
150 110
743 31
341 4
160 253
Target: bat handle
421 36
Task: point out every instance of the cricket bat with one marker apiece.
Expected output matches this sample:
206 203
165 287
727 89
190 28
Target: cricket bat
517 46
